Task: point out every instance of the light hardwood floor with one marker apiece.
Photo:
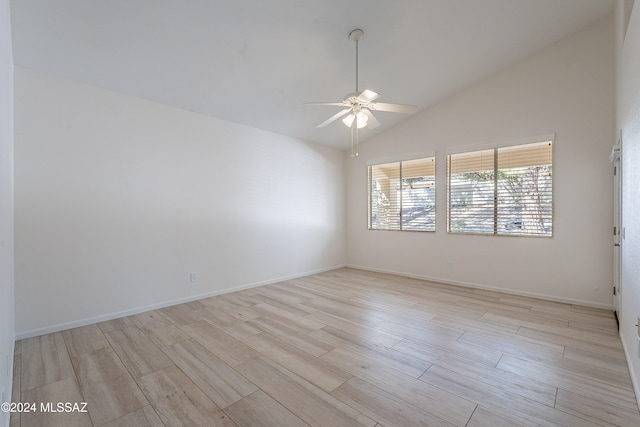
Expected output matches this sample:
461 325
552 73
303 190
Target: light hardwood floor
341 348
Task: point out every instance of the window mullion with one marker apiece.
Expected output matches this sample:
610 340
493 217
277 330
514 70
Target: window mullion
495 191
369 197
449 194
400 184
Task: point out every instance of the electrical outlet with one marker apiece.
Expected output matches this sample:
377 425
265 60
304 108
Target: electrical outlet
193 277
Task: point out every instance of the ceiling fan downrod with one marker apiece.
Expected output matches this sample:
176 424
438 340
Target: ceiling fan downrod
356 35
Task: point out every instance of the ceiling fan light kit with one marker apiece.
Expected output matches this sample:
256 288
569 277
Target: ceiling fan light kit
361 121
359 104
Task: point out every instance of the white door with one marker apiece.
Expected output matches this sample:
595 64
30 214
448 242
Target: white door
616 157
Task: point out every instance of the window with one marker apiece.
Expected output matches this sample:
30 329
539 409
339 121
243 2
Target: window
501 191
402 195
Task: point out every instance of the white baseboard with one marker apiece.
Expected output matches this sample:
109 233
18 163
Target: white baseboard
110 316
488 288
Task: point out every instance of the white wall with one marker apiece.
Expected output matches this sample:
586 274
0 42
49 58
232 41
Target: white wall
566 89
6 209
628 121
119 199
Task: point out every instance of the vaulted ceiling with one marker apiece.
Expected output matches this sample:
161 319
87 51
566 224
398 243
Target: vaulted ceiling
257 62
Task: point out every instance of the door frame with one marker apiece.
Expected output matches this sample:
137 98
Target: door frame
616 159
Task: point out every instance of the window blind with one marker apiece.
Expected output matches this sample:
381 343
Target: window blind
402 195
501 191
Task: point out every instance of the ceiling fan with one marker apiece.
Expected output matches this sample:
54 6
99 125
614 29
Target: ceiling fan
359 104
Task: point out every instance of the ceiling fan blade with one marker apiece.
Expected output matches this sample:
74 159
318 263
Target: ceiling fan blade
394 108
367 96
334 117
372 122
324 103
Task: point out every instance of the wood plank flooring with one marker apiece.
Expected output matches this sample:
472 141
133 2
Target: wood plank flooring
341 348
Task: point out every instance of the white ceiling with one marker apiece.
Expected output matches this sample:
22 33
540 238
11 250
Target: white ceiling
257 62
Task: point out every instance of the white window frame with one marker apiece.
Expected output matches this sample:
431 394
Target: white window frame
495 147
398 159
